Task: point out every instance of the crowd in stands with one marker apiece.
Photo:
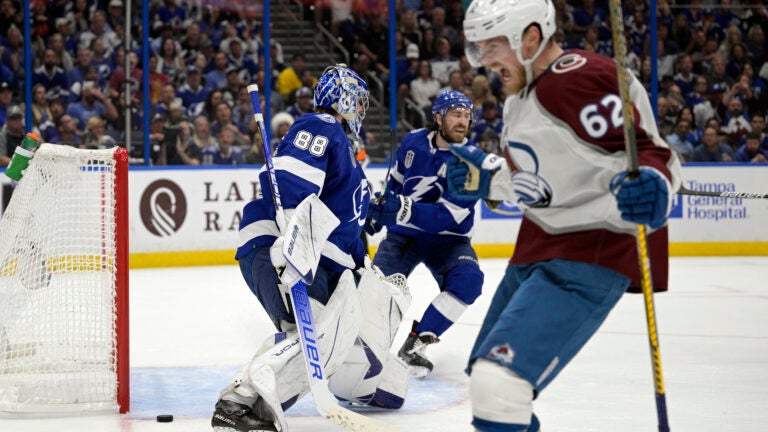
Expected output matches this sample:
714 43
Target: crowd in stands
712 72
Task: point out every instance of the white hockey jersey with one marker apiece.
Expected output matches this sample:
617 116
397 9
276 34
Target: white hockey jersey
567 132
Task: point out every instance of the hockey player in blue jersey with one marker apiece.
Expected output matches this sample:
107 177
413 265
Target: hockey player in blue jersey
315 161
425 224
565 165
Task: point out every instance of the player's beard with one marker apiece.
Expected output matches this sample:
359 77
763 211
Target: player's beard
512 79
452 136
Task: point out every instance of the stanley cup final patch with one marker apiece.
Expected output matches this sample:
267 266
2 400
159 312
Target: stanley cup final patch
409 158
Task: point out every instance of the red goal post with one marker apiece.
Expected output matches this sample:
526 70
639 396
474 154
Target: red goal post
64 285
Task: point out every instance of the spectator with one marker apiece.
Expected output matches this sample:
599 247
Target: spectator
443 63
236 58
47 128
441 29
40 112
13 54
665 122
11 134
157 80
678 140
100 31
289 80
217 77
93 103
231 92
694 133
699 93
710 149
757 124
487 130
65 25
81 16
193 93
182 150
168 98
169 60
225 152
63 57
192 42
428 44
480 92
201 135
115 14
276 101
280 124
304 102
157 129
425 88
215 97
223 120
10 16
750 151
735 124
94 135
66 132
171 15
242 113
587 15
409 28
709 107
455 82
373 42
756 45
717 75
118 80
6 98
685 78
308 79
737 59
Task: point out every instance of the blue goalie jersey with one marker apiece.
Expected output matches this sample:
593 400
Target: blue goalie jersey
314 157
419 174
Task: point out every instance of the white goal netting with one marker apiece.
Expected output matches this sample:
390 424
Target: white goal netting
57 285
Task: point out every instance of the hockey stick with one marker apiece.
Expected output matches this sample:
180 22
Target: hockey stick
318 381
742 195
619 47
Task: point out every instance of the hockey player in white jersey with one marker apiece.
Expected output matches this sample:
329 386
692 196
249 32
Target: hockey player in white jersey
575 253
356 310
425 224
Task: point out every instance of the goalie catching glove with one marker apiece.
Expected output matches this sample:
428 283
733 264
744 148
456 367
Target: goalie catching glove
642 199
469 174
390 209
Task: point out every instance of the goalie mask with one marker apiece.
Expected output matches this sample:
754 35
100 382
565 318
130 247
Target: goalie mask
342 90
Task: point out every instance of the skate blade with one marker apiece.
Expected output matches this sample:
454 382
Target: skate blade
418 372
229 429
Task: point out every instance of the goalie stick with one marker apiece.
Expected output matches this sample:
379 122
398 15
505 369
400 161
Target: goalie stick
318 381
619 48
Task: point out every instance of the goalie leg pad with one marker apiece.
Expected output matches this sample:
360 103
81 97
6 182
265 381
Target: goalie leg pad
338 323
363 379
371 375
500 395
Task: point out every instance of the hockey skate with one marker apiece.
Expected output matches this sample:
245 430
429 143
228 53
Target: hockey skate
231 416
412 352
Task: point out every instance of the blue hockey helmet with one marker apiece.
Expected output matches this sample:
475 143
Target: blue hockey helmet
342 90
450 99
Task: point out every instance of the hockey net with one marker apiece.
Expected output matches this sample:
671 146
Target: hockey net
63 284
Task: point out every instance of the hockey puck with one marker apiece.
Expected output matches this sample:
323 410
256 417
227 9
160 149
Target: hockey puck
164 418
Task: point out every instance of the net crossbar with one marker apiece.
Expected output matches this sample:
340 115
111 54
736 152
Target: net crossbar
58 297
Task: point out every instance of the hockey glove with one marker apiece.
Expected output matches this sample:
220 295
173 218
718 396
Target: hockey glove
390 209
276 255
643 199
469 173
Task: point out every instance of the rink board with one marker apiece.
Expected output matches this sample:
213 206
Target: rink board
189 216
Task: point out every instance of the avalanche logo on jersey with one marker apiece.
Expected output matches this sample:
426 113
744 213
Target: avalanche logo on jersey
568 63
502 353
531 189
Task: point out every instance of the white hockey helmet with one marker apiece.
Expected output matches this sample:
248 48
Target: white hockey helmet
487 19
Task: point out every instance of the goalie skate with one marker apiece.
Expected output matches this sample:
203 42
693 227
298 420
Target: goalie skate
234 417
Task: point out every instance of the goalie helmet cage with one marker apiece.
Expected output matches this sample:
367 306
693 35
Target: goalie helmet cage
64 285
